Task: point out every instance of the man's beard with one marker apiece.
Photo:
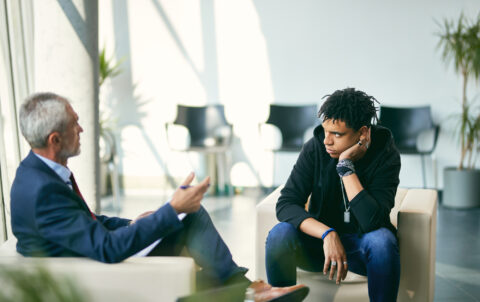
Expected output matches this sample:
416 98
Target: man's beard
66 154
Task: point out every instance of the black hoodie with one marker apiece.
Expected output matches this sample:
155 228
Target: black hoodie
315 174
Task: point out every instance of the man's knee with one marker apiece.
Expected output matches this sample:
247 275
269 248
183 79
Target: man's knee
283 234
201 216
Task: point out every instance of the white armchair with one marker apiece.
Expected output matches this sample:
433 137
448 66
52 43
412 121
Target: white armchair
142 279
414 215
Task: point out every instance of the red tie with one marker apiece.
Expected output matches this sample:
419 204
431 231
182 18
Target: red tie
76 190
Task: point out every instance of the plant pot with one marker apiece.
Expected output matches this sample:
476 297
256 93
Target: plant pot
461 188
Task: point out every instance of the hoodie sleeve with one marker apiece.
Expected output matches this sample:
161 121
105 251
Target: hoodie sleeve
293 197
371 207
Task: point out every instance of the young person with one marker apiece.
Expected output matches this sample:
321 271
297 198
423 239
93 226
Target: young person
350 170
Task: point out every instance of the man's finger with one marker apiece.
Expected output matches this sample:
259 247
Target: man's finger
189 179
205 182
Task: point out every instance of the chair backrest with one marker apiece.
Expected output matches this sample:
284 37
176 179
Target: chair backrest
202 123
406 124
292 121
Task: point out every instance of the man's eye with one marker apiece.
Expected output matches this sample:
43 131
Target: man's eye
337 135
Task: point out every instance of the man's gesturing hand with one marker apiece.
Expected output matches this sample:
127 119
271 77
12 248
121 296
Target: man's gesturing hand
334 252
188 200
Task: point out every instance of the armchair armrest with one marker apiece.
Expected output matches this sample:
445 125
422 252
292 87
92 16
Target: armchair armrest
142 279
417 220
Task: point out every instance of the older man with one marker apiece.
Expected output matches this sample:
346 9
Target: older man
51 218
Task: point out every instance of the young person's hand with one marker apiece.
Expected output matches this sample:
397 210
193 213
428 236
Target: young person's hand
186 199
358 150
335 257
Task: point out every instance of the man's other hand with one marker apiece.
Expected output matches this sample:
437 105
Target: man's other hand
188 199
142 216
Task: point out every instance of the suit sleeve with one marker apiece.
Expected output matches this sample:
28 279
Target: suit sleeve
112 223
293 197
371 207
61 219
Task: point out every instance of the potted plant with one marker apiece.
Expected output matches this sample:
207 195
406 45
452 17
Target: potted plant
460 44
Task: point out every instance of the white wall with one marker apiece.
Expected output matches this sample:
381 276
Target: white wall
250 53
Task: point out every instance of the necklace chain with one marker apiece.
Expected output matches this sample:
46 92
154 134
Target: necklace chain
343 195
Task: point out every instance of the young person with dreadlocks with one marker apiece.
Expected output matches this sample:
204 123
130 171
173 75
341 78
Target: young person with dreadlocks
349 169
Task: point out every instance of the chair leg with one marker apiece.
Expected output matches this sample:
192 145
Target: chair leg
423 172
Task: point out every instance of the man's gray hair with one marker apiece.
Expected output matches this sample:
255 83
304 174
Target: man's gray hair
40 115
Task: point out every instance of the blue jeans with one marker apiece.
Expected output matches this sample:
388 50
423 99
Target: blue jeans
203 242
373 254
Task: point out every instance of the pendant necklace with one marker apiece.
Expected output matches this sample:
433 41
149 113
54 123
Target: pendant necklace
346 214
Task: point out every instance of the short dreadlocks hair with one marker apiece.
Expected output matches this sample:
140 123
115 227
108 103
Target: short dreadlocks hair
354 107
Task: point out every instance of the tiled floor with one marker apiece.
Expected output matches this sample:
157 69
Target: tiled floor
458 238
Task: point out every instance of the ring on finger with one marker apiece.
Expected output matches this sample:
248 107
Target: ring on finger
334 263
344 262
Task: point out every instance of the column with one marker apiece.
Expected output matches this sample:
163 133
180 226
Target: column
66 63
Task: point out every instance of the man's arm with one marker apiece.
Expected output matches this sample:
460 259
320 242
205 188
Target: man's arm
112 223
60 219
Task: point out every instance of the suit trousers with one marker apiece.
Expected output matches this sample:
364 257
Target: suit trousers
205 245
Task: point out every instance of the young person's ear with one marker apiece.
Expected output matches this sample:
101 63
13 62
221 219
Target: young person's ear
363 132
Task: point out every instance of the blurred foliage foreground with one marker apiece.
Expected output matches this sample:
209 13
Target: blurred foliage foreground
37 284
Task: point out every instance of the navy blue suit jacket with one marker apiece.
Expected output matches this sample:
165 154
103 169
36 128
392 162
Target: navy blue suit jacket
49 219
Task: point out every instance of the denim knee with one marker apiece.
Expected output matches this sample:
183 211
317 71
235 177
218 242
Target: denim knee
381 243
283 235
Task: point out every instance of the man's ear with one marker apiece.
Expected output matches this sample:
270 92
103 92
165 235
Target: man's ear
54 139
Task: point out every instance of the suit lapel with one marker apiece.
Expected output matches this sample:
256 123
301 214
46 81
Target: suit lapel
33 162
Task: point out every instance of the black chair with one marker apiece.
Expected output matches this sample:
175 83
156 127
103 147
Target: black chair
406 125
293 122
209 133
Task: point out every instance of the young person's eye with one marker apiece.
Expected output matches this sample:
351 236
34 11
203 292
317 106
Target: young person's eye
337 135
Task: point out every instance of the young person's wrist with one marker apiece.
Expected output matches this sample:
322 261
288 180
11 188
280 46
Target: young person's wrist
345 167
324 235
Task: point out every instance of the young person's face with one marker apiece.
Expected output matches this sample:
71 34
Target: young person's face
339 137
